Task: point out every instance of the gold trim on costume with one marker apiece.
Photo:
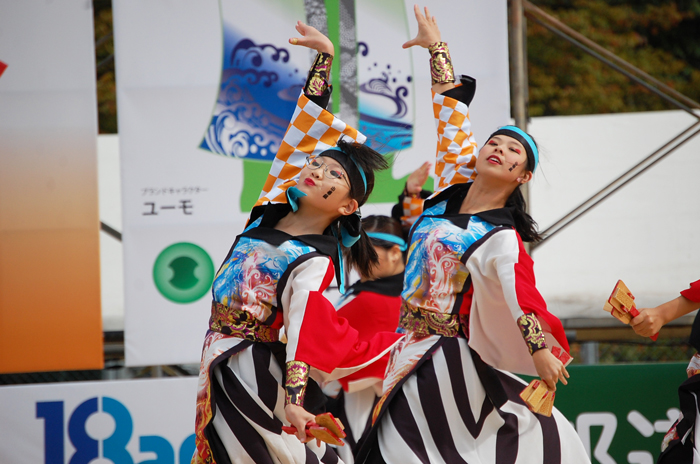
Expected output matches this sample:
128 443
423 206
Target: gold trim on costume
441 71
319 75
532 332
240 324
295 382
423 323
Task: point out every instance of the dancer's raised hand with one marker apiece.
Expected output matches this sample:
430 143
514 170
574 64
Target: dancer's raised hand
428 31
415 181
312 38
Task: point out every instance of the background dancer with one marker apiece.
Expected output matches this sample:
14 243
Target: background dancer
471 311
680 445
371 305
410 203
251 383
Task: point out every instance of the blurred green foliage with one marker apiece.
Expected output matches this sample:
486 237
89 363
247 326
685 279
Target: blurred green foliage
660 37
104 59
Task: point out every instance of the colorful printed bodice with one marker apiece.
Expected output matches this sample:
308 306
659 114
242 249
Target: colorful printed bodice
436 270
249 278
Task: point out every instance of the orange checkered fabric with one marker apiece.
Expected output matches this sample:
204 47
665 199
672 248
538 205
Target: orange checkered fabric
412 208
456 146
455 154
311 131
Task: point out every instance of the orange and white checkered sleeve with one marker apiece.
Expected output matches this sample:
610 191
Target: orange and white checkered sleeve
311 131
456 146
412 209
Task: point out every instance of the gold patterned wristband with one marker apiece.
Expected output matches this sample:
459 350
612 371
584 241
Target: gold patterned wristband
532 332
319 75
441 71
295 383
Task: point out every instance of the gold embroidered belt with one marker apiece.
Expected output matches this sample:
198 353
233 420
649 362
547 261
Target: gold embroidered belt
240 324
424 323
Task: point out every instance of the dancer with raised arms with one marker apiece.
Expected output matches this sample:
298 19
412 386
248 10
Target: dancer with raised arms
253 379
471 312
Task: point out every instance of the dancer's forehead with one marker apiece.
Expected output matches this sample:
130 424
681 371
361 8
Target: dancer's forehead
330 162
507 140
356 178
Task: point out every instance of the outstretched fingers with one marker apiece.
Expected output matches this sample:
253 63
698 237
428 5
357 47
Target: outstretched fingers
428 31
301 29
312 38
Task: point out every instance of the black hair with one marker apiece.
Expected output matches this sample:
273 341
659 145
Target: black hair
387 225
524 224
368 159
362 254
384 224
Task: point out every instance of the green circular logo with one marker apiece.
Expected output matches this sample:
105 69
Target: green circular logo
183 272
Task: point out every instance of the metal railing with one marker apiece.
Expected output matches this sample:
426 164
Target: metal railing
638 76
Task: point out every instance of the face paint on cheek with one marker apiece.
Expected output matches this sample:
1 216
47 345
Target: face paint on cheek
515 165
329 193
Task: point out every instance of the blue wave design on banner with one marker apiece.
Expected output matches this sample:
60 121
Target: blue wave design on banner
384 135
257 96
382 114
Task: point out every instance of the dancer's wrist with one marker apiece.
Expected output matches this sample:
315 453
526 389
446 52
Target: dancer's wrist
319 79
441 70
295 382
532 333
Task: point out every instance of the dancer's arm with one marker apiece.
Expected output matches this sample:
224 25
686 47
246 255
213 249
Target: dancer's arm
456 148
429 37
411 200
316 336
312 129
514 269
650 320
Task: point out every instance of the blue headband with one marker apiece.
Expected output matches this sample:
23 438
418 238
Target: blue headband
522 137
359 168
389 238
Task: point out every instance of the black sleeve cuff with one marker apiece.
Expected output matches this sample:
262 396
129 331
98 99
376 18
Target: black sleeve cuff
465 92
321 100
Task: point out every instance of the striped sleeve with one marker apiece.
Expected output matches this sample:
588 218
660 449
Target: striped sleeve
456 146
311 131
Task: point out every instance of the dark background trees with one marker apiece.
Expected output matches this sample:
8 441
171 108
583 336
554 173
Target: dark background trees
104 59
661 37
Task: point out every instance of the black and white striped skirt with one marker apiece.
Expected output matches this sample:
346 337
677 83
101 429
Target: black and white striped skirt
248 405
454 408
355 411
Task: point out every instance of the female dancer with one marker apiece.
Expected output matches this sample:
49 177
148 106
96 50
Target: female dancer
676 448
471 311
252 379
371 305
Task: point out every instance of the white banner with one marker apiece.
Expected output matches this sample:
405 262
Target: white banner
205 91
122 422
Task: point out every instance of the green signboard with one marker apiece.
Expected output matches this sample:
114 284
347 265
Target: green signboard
622 411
